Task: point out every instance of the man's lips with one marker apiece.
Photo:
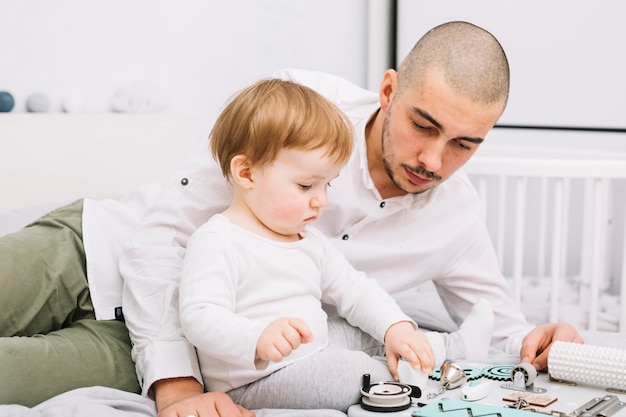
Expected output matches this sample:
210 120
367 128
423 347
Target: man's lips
418 179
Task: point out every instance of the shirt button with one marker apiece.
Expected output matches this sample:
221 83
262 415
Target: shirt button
184 181
382 204
345 237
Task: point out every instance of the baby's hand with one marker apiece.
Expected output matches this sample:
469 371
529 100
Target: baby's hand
403 341
281 337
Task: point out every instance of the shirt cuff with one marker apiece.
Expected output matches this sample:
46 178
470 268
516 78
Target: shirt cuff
170 359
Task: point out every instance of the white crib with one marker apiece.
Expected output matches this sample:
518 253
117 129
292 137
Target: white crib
556 218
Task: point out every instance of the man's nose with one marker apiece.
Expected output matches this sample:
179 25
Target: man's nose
431 155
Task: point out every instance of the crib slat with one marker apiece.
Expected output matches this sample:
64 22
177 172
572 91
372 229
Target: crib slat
599 249
557 245
622 317
543 225
587 234
501 218
483 196
518 245
565 228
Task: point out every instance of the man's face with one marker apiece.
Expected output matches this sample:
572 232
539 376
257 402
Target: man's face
429 133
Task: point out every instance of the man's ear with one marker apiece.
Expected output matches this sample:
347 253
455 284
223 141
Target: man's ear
241 171
388 88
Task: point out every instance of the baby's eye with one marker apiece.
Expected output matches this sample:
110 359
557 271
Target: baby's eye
305 186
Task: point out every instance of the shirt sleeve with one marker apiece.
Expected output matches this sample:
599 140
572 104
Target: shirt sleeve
360 300
151 264
473 273
343 93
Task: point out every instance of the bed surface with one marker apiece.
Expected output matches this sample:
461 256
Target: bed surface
105 402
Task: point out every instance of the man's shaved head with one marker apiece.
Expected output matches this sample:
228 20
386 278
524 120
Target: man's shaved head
470 58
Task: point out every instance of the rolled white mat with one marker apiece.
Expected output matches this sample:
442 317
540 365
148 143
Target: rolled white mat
595 365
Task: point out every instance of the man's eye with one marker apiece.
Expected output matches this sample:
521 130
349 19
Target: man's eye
461 144
419 126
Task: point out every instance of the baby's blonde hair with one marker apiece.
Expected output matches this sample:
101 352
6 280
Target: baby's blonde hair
274 114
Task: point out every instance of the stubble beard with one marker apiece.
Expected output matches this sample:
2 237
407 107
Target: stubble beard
389 170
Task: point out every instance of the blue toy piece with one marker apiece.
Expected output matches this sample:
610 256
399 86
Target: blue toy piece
6 102
454 408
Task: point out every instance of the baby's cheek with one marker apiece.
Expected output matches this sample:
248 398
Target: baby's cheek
286 210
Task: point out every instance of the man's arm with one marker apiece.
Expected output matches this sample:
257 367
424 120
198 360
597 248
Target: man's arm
170 391
184 396
151 264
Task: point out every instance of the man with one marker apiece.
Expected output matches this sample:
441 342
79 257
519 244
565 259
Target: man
398 211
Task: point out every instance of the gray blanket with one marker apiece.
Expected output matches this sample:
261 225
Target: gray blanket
108 402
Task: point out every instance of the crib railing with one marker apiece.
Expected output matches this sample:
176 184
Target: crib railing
557 215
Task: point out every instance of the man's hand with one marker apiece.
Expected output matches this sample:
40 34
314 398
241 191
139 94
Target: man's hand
402 340
184 397
281 337
536 344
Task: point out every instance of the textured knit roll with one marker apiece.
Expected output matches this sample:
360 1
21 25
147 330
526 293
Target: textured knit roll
594 365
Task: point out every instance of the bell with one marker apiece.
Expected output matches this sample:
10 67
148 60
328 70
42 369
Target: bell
452 376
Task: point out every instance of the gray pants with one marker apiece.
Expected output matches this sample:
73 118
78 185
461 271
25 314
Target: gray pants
329 379
50 341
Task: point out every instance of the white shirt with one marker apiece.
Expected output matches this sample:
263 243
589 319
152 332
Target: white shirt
234 283
401 242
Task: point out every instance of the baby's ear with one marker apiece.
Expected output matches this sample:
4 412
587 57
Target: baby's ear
241 171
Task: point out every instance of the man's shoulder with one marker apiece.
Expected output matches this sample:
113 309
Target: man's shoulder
341 91
312 77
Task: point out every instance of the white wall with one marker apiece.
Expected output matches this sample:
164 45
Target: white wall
567 57
199 51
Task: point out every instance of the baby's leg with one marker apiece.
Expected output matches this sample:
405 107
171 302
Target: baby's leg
343 335
330 379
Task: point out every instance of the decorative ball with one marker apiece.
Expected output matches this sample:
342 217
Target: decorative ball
140 97
6 102
37 103
73 104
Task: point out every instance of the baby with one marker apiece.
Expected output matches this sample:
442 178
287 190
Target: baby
255 276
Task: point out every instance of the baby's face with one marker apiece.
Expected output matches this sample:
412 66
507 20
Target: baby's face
291 192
